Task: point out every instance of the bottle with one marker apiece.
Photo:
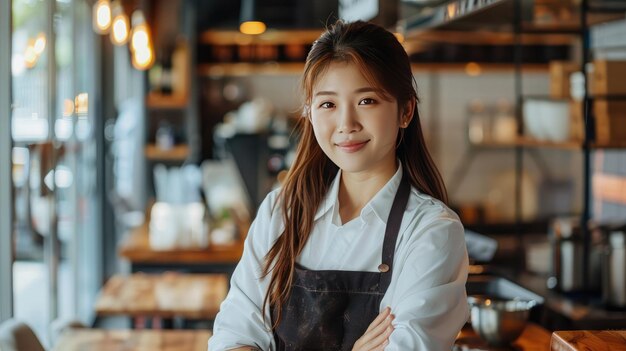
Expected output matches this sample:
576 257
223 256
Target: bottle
478 123
165 136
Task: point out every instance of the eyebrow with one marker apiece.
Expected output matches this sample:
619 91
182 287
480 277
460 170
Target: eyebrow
360 90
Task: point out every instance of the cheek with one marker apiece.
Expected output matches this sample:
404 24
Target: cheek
321 127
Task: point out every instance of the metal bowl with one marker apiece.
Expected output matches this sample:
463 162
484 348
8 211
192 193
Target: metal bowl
499 322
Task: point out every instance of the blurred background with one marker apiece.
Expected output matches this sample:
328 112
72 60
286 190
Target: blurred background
141 136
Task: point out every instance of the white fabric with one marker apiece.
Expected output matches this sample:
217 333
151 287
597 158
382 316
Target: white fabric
427 290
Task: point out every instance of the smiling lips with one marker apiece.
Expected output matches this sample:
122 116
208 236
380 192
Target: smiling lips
351 146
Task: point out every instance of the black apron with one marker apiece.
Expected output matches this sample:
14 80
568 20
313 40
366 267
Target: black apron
330 310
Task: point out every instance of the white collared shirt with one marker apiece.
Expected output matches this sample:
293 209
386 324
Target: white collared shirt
427 290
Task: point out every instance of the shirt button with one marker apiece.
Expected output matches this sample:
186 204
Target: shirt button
383 268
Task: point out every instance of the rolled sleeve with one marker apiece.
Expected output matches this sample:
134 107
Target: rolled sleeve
240 319
427 294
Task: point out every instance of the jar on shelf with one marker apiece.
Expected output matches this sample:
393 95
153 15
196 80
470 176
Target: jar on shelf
504 123
478 122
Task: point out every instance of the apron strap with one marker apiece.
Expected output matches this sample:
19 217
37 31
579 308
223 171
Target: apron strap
391 232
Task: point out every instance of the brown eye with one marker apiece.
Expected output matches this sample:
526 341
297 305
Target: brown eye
367 101
327 105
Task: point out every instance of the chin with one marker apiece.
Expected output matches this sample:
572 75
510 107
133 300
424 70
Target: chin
352 165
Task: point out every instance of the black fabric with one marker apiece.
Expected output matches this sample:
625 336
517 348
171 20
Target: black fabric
331 309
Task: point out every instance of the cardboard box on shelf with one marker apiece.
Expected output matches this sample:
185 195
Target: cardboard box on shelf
610 117
608 78
577 121
560 72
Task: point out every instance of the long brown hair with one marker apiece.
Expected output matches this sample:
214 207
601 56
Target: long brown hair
383 61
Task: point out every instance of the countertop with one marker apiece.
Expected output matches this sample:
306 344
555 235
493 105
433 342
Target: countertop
560 311
132 340
534 337
598 340
564 311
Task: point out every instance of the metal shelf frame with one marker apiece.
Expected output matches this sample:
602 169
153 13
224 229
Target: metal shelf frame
513 17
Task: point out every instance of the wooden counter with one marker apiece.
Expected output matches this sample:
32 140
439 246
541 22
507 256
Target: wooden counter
597 340
534 337
167 295
132 340
136 248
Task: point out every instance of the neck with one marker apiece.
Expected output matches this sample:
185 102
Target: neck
357 189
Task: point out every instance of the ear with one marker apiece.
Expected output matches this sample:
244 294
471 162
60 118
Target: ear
407 113
306 112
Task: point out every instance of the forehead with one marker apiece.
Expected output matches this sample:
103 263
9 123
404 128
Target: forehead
342 76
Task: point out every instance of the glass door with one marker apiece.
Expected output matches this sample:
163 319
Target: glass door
32 158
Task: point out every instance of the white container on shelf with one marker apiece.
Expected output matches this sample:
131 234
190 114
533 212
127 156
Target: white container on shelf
163 227
546 119
556 120
532 121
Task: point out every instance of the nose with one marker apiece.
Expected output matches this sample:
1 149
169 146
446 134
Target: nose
348 121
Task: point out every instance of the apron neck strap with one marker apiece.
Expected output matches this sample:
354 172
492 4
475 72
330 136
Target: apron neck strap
391 231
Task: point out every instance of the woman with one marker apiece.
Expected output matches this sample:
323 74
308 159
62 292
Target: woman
357 250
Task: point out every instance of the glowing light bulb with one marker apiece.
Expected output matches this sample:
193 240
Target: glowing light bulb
119 32
473 69
143 58
102 16
252 27
140 37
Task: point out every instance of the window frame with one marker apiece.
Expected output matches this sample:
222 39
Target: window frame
6 146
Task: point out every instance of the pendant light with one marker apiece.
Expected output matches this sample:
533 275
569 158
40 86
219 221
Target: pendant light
249 24
139 36
141 42
120 26
102 16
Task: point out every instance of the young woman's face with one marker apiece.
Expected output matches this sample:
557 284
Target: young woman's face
353 124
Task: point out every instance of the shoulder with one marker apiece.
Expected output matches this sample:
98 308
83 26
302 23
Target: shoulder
427 218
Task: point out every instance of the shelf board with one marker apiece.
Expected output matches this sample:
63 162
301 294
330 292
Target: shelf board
270 37
483 38
296 68
166 102
567 145
490 22
484 67
530 142
241 69
178 153
612 145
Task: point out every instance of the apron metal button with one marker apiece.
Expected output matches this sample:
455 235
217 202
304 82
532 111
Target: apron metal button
383 268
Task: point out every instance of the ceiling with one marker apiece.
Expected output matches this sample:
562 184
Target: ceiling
280 14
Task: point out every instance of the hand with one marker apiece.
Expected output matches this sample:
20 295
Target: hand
376 336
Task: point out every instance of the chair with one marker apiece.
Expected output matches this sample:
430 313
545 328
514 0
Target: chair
17 336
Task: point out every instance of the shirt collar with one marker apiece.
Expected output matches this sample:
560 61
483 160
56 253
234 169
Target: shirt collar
331 197
380 204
